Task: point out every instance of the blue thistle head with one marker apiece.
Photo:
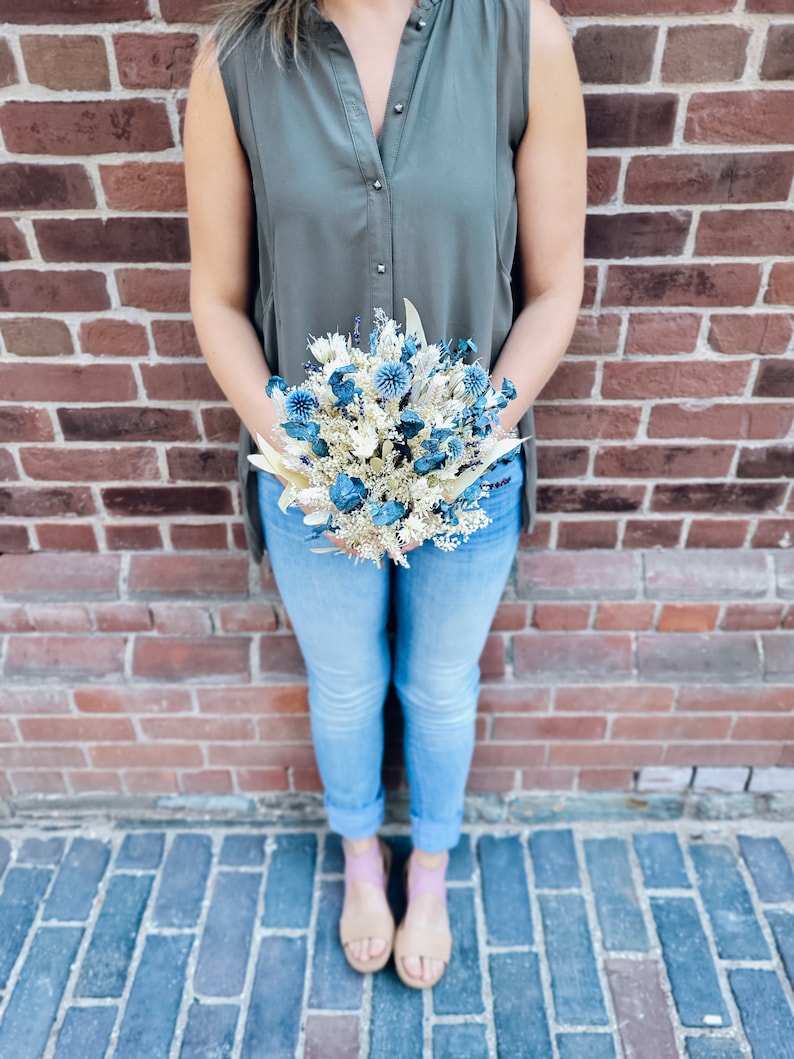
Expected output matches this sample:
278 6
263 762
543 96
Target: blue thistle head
300 405
475 380
455 447
392 379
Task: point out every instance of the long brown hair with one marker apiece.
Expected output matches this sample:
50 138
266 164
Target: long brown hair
279 24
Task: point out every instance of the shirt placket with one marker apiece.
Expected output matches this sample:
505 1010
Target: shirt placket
370 153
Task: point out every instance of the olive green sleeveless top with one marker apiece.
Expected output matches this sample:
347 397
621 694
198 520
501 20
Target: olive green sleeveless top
346 223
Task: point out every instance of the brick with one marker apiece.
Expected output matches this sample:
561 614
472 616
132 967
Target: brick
572 656
602 180
458 1039
243 851
187 10
774 379
288 896
281 654
84 781
743 616
32 291
126 424
781 284
146 756
778 61
737 933
136 239
220 424
520 1018
145 186
640 1006
64 128
248 617
66 382
180 382
765 1012
782 924
662 334
75 464
75 729
724 780
661 861
167 501
668 379
638 7
79 11
172 575
710 285
141 851
37 782
132 700
615 54
753 116
13 244
42 337
585 1046
177 338
634 234
709 179
334 984
595 335
504 889
744 233
104 968
573 577
770 868
8 66
554 859
664 779
207 537
559 461
28 186
727 421
273 1021
74 62
106 337
547 728
158 290
208 782
259 780
759 333
766 780
778 656
227 935
574 977
663 461
606 779
688 617
460 991
582 535
708 657
149 1021
274 698
572 380
34 1003
210 1029
23 889
76 884
704 53
183 881
716 497
630 119
771 461
719 533
624 617
24 502
587 422
619 915
163 60
86 1032
149 781
59 577
14 619
70 657
175 620
201 465
722 755
167 658
25 424
614 699
568 616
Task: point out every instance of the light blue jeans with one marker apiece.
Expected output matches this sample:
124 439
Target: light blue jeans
443 607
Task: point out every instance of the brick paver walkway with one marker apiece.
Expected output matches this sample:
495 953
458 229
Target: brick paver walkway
586 940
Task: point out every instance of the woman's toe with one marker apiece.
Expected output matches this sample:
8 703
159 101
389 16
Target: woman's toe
377 947
413 966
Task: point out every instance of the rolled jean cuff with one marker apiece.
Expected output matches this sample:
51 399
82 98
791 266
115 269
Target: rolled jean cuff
356 823
433 836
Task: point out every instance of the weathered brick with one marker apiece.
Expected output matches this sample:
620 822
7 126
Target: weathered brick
661 861
158 290
717 497
167 501
135 239
586 421
187 10
562 461
682 284
153 1004
750 116
177 338
67 382
710 419
75 729
127 424
573 656
574 976
74 62
744 233
154 186
742 616
662 334
75 464
59 577
33 291
706 179
25 186
61 537
25 502
707 656
771 461
602 179
176 620
69 128
624 617
133 538
778 61
68 657
572 380
688 617
272 698
674 726
558 577
737 699
25 424
568 616
631 234
180 382
170 658
615 54
201 464
113 338
42 337
704 53
640 1006
760 333
8 67
199 537
148 60
781 284
639 7
78 11
13 244
630 119
103 972
584 534
652 533
273 1019
519 1005
187 575
663 461
774 379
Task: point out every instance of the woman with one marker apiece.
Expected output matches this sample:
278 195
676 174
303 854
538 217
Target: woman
341 157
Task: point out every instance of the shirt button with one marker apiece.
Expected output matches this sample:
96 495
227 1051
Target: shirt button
381 269
377 185
399 108
420 23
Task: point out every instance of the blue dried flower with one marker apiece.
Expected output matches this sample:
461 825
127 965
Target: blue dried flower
431 462
508 389
475 380
343 389
455 448
300 405
410 423
275 382
409 349
319 447
347 493
392 379
301 431
387 513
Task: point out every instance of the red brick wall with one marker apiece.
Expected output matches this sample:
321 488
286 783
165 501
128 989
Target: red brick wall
649 621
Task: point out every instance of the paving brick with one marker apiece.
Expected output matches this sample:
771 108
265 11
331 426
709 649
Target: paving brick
243 851
622 925
640 1008
22 891
554 859
461 861
585 1046
141 851
765 1012
34 1003
505 893
5 854
335 985
460 990
462 1041
782 924
290 882
41 851
333 862
396 1016
578 999
736 930
729 780
183 881
522 1030
107 959
226 941
662 861
274 1010
712 1048
210 1030
331 1037
770 868
77 881
147 1028
690 967
86 1033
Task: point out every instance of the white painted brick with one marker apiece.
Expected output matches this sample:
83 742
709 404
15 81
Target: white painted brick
664 778
726 780
773 779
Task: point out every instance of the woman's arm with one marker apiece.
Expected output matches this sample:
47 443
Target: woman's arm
551 188
220 214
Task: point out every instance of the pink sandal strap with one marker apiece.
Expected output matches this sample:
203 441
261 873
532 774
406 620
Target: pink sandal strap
370 866
422 880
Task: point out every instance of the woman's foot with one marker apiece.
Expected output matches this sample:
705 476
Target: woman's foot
423 941
367 925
